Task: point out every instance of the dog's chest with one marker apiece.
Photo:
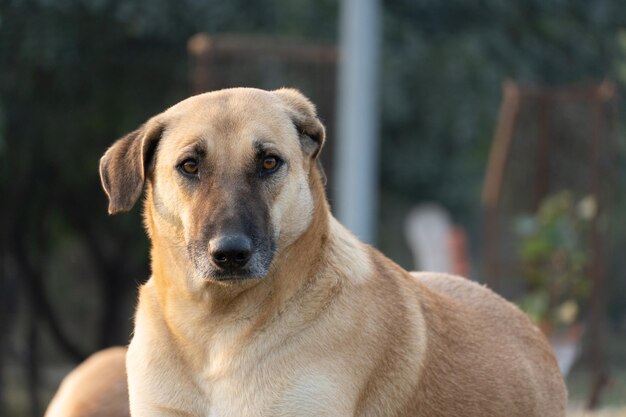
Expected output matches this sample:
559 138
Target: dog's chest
309 394
278 384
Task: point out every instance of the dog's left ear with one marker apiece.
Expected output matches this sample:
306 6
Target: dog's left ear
304 117
123 167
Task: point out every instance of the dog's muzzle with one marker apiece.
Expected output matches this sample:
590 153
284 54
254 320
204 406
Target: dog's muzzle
230 253
231 257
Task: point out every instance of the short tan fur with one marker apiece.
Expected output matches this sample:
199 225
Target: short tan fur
297 317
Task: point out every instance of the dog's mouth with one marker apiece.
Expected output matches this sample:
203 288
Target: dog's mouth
225 276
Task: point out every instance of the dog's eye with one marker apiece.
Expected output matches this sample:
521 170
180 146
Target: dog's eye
270 164
189 168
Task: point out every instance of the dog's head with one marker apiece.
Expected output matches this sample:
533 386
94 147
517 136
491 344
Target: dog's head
228 175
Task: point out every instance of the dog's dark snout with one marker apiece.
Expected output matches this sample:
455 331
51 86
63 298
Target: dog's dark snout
231 251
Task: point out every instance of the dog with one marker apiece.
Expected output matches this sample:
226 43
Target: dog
96 388
261 303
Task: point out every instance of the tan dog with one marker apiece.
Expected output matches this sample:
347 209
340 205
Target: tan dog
96 388
262 304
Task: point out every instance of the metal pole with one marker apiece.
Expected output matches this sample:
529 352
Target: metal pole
356 166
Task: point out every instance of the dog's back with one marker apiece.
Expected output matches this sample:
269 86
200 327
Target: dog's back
96 388
475 336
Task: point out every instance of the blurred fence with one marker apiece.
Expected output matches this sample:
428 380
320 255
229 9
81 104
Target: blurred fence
549 140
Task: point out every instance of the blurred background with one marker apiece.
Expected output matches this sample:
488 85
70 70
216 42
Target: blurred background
484 138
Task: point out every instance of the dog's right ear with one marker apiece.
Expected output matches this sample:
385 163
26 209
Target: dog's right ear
123 166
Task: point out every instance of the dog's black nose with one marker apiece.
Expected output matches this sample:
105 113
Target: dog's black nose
230 252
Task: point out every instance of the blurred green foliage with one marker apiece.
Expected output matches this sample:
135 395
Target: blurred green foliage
555 255
443 66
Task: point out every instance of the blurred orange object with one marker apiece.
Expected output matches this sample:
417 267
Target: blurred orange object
459 251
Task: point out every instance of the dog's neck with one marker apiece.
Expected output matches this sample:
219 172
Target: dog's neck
293 269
